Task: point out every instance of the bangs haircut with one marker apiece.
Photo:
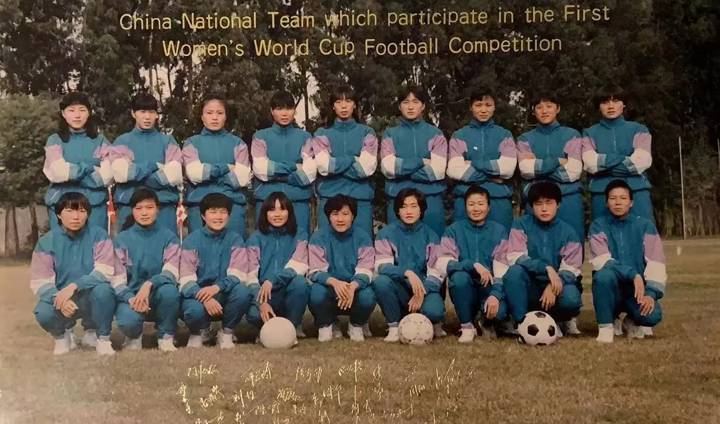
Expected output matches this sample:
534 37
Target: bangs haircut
476 189
404 194
338 202
269 204
544 97
72 200
546 190
140 194
215 200
481 93
144 101
282 100
416 90
617 184
612 92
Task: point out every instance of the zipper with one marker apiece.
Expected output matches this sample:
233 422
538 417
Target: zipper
614 141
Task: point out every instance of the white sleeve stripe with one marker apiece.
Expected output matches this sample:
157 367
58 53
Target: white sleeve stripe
527 168
299 267
194 171
599 261
506 166
387 165
457 167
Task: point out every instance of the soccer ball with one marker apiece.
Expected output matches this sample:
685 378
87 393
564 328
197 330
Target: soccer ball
415 329
278 333
538 329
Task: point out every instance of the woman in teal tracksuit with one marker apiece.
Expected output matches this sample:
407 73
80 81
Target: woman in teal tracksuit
414 154
146 273
278 258
346 156
216 161
77 159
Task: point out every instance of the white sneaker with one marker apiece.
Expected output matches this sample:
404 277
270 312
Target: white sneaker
356 333
393 335
336 331
299 333
571 327
90 338
226 341
133 344
467 335
167 344
438 331
366 330
104 347
618 326
70 339
325 334
633 331
195 340
606 333
61 346
648 331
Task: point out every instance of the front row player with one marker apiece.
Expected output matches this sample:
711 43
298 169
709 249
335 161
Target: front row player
341 259
212 274
545 256
70 274
628 263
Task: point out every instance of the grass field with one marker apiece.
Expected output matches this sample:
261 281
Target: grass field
674 377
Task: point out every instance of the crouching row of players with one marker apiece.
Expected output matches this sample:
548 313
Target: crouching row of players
494 277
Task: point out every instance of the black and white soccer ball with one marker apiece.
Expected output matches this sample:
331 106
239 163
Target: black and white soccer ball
415 329
538 329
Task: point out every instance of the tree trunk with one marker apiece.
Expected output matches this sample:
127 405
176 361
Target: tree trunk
34 228
12 244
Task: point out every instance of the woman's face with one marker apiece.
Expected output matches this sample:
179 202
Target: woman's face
76 116
344 108
277 216
213 115
411 107
477 208
341 220
145 212
483 109
145 119
409 211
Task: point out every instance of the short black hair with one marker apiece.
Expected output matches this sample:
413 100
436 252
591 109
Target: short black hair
404 194
416 90
610 92
144 101
476 189
340 92
282 100
269 204
544 189
480 93
545 97
336 203
141 193
72 200
70 99
215 200
617 184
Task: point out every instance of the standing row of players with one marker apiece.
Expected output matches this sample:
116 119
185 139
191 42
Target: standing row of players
495 277
345 153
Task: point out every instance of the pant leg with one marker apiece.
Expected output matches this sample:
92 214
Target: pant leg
568 304
387 294
51 320
606 296
433 307
102 307
598 206
572 212
167 217
235 305
482 294
435 213
237 219
165 303
323 305
297 293
642 204
129 321
98 216
459 212
501 211
302 214
322 221
364 216
194 219
630 305
464 296
363 305
278 303
195 316
517 284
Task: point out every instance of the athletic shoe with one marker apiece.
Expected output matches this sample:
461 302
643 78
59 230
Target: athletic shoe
61 346
618 326
366 330
606 333
648 331
632 330
133 344
167 344
299 333
571 327
104 347
467 335
226 341
356 333
89 338
325 334
393 335
195 340
438 331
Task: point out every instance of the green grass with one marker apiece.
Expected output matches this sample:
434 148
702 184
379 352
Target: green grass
674 377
